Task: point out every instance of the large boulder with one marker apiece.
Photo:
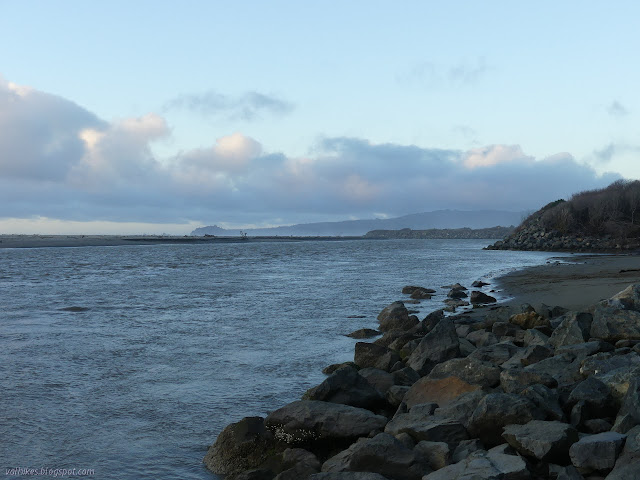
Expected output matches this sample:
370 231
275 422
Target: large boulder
440 391
381 454
546 399
596 396
497 353
546 441
241 446
612 324
628 299
424 427
498 410
440 344
396 317
529 319
517 379
348 387
468 369
483 465
309 421
375 356
478 297
597 452
575 327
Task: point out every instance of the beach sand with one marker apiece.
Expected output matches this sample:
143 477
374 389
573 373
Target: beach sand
574 283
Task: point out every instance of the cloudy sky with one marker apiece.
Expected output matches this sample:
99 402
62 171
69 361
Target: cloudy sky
160 116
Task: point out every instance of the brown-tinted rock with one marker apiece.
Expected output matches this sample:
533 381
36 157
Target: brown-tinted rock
440 391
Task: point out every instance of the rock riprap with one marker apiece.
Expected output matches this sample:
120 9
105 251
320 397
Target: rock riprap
493 393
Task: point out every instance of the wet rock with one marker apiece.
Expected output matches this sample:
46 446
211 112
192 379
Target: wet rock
481 298
440 344
376 356
457 294
468 369
364 333
381 454
422 293
328 370
409 289
545 441
348 387
441 391
479 284
244 445
395 317
597 452
497 410
574 328
308 421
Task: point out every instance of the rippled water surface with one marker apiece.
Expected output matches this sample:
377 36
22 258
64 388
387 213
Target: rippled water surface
172 343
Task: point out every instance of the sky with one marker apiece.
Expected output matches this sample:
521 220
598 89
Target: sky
159 117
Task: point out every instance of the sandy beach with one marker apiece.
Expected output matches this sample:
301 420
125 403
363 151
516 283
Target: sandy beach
574 283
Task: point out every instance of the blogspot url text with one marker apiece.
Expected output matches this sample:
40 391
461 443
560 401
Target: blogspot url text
51 472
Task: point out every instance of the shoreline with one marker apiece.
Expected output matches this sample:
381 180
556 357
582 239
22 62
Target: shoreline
575 283
46 241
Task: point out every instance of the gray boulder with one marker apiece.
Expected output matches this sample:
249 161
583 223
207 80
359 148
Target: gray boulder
497 353
427 427
461 408
564 369
395 317
348 387
546 399
381 454
241 446
596 397
379 379
483 465
628 299
310 421
498 410
574 328
469 369
435 454
364 333
376 356
481 338
612 324
545 441
597 452
515 380
347 476
481 298
440 344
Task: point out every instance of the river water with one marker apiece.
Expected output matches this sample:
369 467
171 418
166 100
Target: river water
126 362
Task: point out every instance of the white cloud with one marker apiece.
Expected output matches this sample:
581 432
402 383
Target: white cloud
61 162
494 155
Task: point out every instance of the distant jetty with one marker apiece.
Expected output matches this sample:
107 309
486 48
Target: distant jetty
443 233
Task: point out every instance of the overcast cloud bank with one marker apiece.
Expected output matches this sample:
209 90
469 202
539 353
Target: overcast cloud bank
60 161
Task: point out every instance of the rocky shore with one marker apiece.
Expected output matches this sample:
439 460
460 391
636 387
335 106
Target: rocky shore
503 391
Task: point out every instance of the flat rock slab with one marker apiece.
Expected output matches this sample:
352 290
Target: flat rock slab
597 452
482 465
381 454
441 391
309 420
469 369
546 441
425 427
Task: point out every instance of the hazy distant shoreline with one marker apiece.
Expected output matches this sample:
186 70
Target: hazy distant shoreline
40 241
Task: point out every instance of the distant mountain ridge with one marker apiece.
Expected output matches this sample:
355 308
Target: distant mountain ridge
417 221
